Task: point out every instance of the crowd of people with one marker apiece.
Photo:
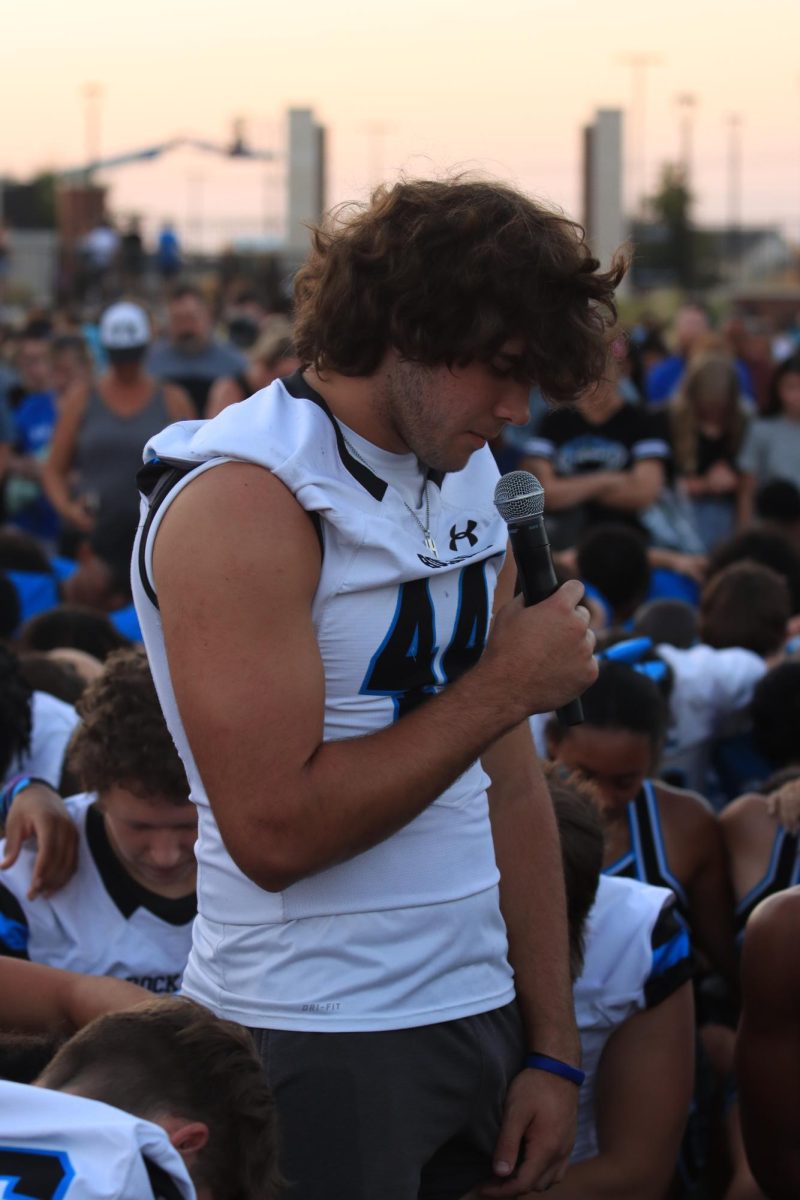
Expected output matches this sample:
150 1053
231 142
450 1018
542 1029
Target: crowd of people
249 855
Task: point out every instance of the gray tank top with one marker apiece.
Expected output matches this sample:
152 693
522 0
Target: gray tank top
109 453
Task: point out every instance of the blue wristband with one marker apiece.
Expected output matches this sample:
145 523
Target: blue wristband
554 1066
11 789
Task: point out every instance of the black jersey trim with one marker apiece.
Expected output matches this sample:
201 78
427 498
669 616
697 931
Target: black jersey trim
297 386
163 1185
127 894
672 963
778 878
156 480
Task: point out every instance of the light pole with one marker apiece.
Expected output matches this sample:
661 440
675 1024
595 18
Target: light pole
639 64
734 122
93 96
687 103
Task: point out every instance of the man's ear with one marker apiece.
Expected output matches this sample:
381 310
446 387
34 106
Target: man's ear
188 1137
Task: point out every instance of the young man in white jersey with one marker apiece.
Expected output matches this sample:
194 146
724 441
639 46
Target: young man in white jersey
314 575
159 1102
129 907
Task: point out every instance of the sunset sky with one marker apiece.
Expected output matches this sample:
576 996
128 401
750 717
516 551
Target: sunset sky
423 85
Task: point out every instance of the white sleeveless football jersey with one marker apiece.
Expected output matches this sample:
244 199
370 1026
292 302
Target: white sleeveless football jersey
56 1146
100 923
408 932
637 954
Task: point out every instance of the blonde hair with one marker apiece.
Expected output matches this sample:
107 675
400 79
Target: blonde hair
710 373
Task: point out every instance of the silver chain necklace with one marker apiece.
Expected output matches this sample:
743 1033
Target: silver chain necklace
425 529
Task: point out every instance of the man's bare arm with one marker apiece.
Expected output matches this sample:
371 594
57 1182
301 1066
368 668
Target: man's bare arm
38 999
637 488
541 1109
565 491
768 1045
236 565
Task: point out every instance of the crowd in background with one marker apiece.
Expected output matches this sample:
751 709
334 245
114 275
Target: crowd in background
672 490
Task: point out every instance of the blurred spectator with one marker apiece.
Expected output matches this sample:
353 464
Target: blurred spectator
692 331
667 622
772 447
99 250
73 627
189 356
35 728
777 507
10 608
272 357
747 605
603 460
71 362
708 424
750 344
743 617
245 318
100 435
45 674
763 546
35 420
102 577
168 253
612 562
132 257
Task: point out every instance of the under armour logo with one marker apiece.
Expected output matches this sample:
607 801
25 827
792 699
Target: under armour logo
465 533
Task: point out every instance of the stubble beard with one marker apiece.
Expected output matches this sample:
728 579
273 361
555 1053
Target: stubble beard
408 402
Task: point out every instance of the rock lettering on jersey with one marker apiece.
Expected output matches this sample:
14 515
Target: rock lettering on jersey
160 984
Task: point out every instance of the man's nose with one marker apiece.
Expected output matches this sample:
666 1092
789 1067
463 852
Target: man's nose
165 852
514 405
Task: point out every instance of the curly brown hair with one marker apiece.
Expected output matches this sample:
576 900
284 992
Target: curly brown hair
446 272
123 738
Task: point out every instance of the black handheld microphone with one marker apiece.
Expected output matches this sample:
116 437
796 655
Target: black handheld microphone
519 498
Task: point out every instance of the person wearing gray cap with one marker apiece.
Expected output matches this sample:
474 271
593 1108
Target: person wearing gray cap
103 427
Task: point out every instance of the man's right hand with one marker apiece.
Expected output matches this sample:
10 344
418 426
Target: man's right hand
542 656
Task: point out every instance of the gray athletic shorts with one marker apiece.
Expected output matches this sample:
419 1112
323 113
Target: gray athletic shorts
397 1115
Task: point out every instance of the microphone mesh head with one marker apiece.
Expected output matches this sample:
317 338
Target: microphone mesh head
519 497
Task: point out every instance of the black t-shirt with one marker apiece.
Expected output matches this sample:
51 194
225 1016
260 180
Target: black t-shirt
575 446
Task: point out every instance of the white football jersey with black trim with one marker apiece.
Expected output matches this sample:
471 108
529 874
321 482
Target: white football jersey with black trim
56 1146
378 941
637 954
102 922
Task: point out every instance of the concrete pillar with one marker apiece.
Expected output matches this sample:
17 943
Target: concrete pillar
306 177
603 213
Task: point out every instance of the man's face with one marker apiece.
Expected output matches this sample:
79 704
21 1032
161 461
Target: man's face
33 365
691 326
153 839
444 415
189 324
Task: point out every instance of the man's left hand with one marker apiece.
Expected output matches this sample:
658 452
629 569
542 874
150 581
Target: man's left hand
536 1136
